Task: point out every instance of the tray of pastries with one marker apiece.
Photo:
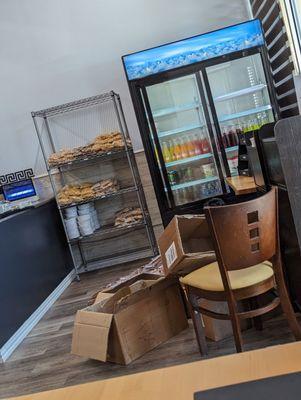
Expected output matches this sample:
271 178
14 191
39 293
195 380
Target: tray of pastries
102 144
72 194
128 216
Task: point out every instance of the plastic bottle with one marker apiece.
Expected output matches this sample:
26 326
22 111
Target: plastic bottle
197 145
189 194
190 146
184 149
177 150
184 196
195 193
205 144
166 152
225 138
235 135
171 151
177 197
230 135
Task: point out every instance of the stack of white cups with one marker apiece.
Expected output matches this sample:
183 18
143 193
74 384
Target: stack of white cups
87 219
71 222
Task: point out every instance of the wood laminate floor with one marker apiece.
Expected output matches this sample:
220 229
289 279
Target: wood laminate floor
43 361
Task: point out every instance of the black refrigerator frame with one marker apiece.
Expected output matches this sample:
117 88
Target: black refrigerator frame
140 102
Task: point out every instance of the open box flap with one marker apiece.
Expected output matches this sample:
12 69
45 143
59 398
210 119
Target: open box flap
101 296
93 324
193 261
145 276
200 255
143 292
186 244
91 334
170 246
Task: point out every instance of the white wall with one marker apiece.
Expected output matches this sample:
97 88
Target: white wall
57 51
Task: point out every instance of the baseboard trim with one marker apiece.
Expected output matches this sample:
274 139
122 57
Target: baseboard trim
8 348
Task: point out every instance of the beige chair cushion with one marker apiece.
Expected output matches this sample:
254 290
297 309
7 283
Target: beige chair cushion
209 277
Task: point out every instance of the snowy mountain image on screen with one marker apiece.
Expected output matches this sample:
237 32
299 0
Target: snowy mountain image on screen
195 49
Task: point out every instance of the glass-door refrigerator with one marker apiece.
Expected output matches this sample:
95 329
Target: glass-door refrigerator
192 100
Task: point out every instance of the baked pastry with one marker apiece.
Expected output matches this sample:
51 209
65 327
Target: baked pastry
101 144
128 216
71 194
105 187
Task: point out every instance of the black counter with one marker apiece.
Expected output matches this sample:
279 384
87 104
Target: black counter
34 259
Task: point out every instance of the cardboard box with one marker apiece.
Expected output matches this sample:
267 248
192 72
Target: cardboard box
123 325
186 245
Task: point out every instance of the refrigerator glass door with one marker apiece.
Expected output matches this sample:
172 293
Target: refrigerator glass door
183 140
241 99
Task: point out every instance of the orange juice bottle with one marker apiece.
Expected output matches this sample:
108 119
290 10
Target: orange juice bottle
166 152
177 150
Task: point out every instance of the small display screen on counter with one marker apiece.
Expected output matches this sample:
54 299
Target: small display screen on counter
19 190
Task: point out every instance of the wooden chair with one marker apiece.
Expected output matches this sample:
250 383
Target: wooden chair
246 238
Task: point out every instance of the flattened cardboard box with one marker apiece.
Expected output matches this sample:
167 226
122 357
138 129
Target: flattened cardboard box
124 325
186 245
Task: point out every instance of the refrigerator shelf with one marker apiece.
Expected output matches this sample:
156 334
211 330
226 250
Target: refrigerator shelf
242 92
225 118
230 149
172 110
92 157
180 130
194 183
188 160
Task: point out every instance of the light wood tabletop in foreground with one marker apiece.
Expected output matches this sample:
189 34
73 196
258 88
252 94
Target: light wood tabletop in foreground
180 382
242 184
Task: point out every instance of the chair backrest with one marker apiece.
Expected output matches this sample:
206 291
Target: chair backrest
245 234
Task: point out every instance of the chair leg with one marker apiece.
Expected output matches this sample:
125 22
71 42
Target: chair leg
235 324
197 322
285 300
257 321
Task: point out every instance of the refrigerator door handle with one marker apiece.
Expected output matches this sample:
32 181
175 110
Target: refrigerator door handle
223 168
157 147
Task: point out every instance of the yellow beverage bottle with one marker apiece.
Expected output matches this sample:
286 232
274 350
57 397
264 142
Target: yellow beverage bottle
166 152
171 151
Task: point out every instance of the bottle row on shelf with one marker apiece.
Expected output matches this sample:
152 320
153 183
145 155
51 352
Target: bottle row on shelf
192 173
194 193
189 145
230 132
230 136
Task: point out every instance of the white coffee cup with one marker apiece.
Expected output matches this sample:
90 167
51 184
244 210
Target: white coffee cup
73 233
85 206
71 212
83 218
86 229
71 223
